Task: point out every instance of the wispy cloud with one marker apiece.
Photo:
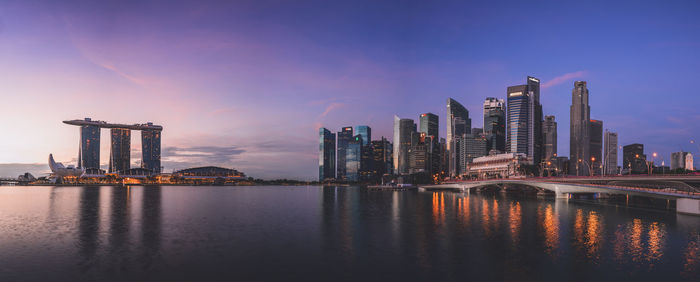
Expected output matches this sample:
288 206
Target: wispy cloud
332 107
124 75
564 78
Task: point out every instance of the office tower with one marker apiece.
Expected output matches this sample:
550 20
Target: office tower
429 124
120 156
150 148
495 124
471 147
444 158
381 152
345 135
596 143
353 158
366 133
403 131
418 155
579 140
681 160
549 129
326 155
524 126
610 151
458 123
476 131
89 153
634 159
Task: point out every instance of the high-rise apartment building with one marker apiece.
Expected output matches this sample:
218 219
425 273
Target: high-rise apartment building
596 146
326 155
495 124
549 129
524 120
610 153
345 135
120 150
579 141
458 124
403 131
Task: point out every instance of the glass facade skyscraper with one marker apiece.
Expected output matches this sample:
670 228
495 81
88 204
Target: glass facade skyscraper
495 124
120 150
596 143
326 154
403 131
353 158
610 152
524 120
89 151
150 146
429 124
344 137
366 133
458 123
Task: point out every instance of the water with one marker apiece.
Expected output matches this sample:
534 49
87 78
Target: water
332 234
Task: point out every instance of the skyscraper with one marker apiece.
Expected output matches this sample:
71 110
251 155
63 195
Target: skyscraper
549 129
596 150
524 126
471 146
580 141
403 131
429 124
634 159
353 158
89 153
610 152
150 147
495 124
326 154
381 152
344 137
120 155
458 123
366 133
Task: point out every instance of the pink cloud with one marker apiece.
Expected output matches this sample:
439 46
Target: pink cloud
564 78
331 107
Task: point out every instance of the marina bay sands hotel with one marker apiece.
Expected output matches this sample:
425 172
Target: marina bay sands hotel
120 149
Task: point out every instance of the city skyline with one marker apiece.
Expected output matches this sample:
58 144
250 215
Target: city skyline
258 109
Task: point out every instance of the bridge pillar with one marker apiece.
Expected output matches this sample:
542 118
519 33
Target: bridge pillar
560 195
688 206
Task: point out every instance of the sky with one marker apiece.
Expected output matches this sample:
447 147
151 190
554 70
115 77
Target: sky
247 84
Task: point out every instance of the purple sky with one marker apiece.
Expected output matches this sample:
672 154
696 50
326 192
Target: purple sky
246 84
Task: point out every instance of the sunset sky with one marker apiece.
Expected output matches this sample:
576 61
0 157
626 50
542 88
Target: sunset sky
247 84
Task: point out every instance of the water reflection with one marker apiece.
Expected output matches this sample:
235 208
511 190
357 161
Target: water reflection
88 226
632 246
550 226
151 209
691 257
515 221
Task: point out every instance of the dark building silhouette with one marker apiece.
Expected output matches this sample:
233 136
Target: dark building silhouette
579 140
404 129
120 150
634 159
381 156
549 129
596 145
326 155
344 137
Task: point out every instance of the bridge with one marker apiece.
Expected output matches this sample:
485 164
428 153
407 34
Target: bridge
684 189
